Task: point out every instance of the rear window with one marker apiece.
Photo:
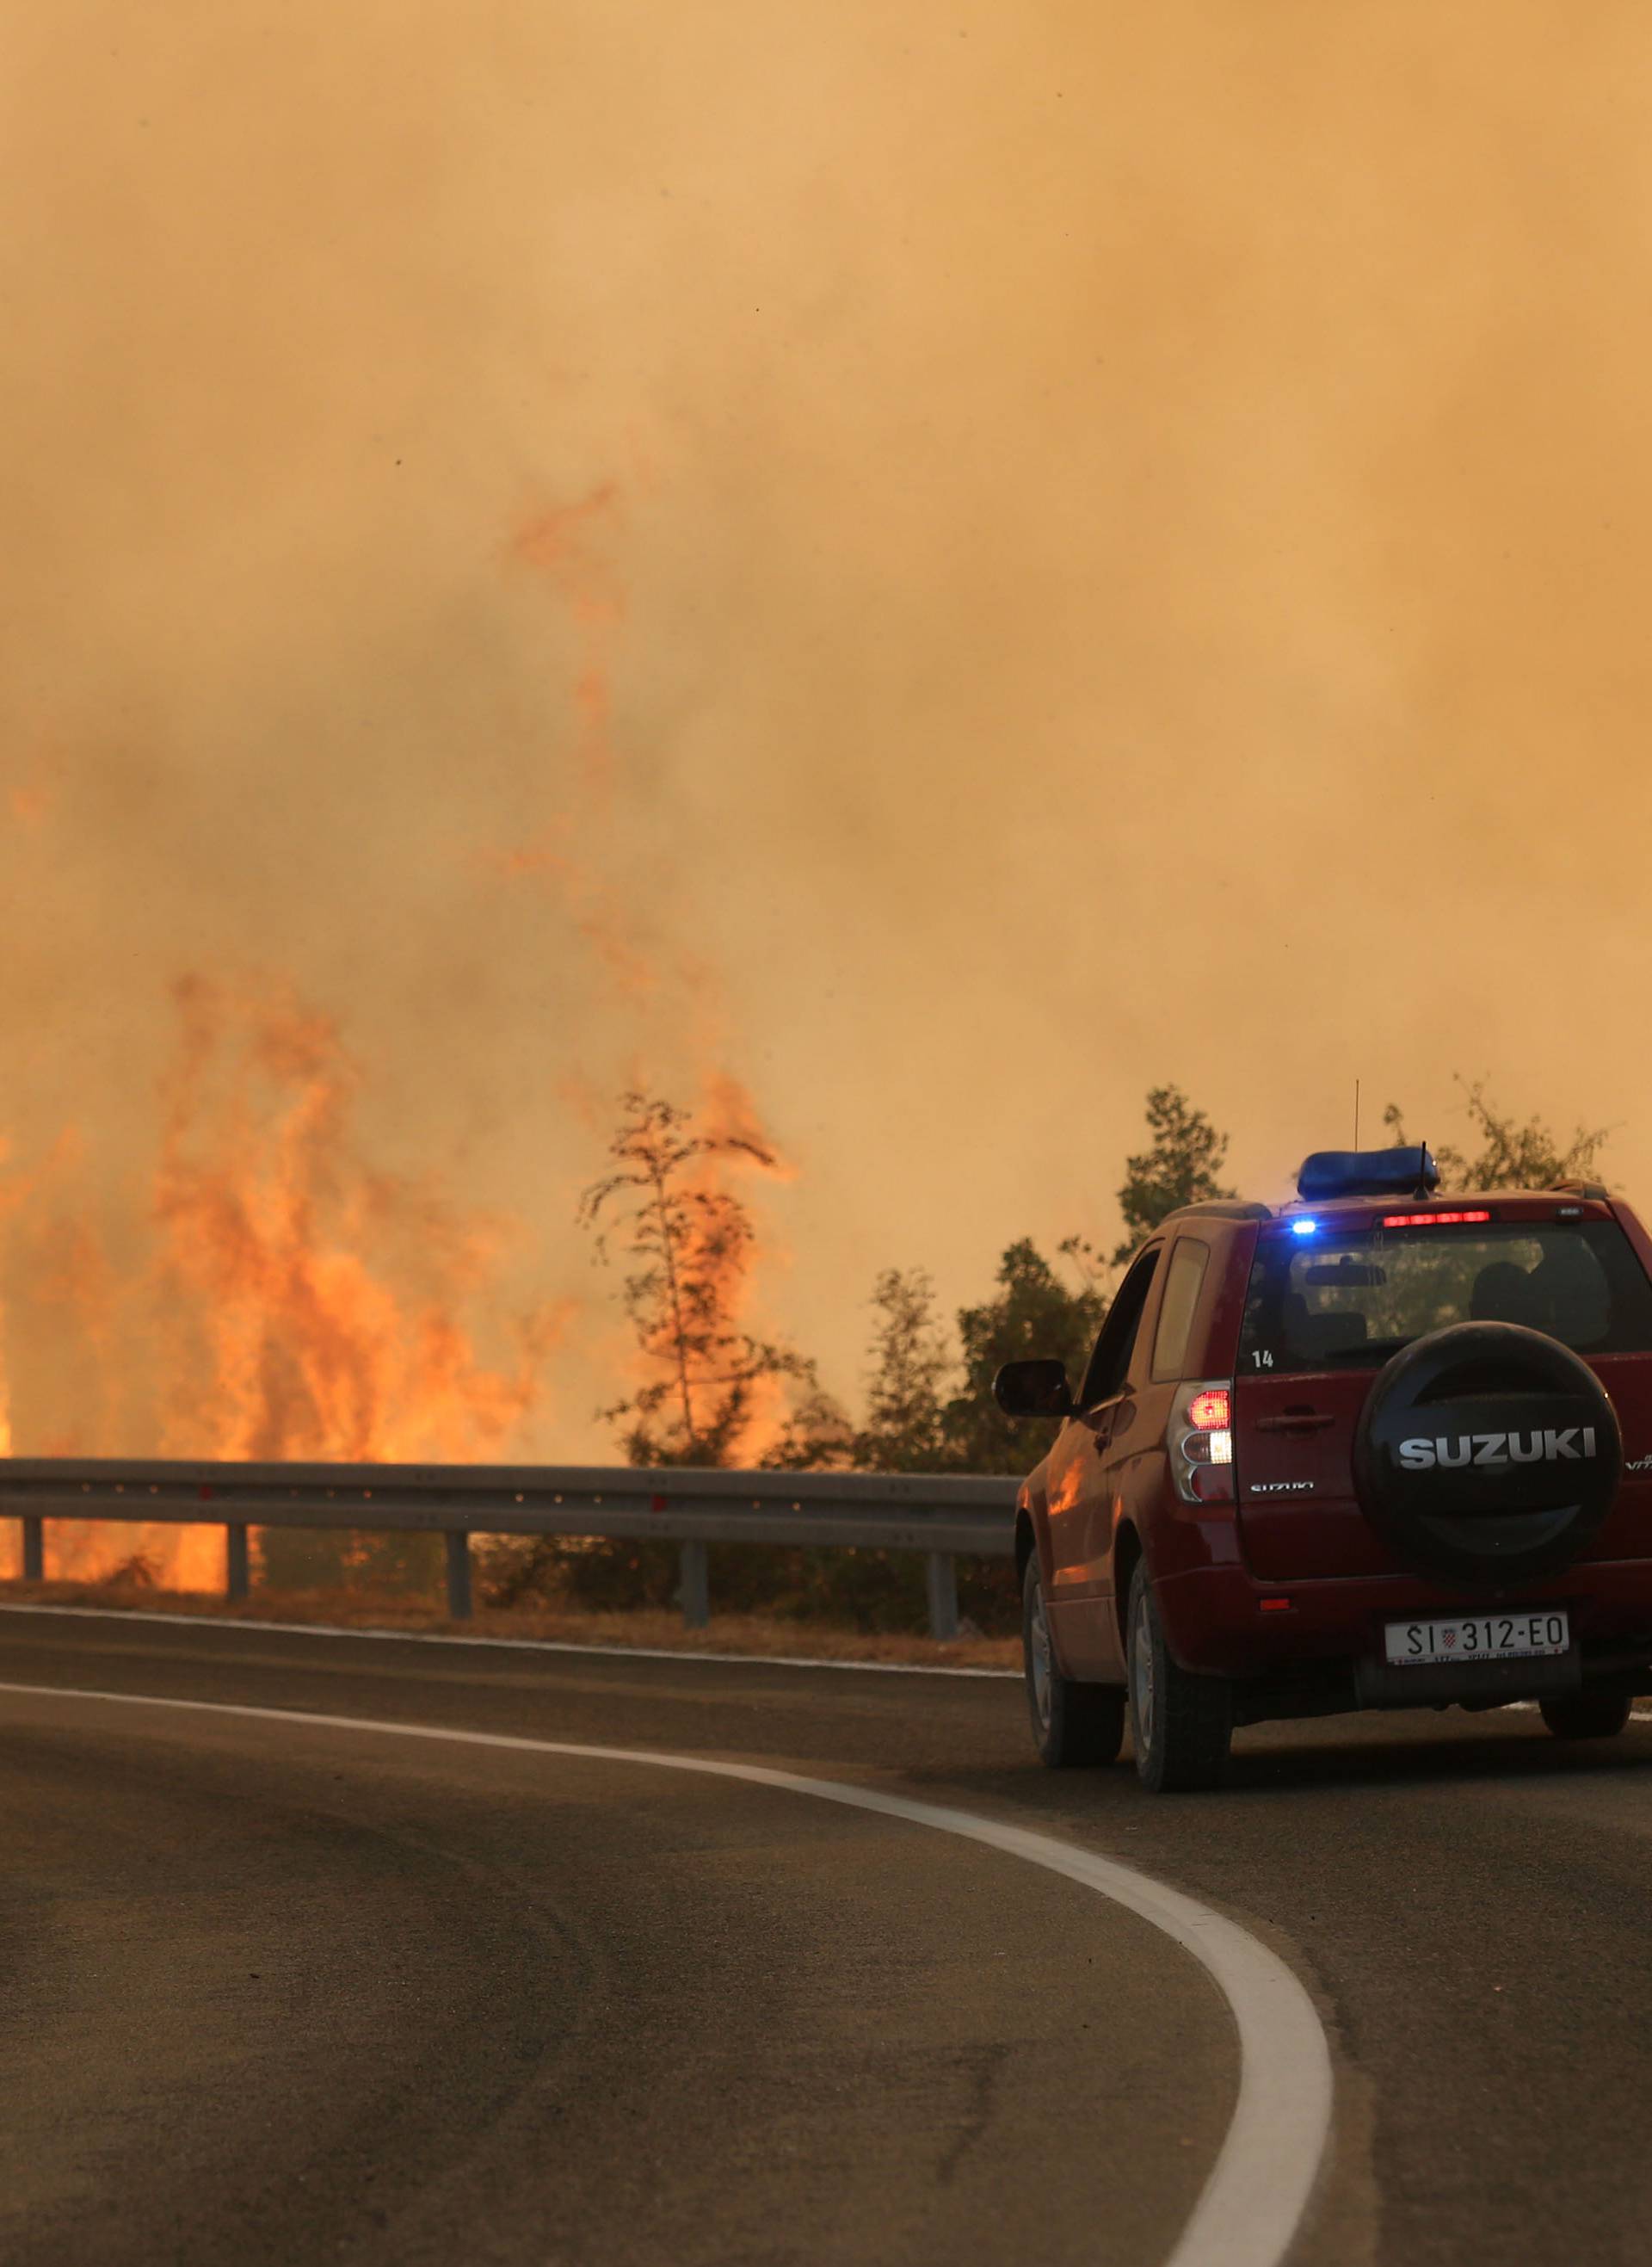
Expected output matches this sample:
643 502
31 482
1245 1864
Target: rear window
1347 1300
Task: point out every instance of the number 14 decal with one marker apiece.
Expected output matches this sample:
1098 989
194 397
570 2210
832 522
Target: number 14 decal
1263 1359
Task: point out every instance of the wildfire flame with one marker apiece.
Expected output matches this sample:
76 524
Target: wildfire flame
305 1304
723 1251
302 1304
327 1292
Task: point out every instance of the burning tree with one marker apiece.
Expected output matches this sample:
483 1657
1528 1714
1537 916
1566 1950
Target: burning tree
710 1392
708 1383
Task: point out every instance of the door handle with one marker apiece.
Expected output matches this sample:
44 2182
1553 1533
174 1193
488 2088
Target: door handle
1306 1420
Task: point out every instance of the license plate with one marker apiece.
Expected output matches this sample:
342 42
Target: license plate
1476 1636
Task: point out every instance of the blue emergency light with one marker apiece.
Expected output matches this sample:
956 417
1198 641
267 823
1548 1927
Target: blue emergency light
1408 1172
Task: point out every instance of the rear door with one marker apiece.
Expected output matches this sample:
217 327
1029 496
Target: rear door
1293 1440
1331 1301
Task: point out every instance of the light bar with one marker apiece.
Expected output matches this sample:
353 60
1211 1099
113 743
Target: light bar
1303 1227
1433 1219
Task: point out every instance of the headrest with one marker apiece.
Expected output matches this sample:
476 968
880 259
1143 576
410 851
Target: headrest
1367 1173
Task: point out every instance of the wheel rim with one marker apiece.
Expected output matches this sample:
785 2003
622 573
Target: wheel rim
1039 1663
1141 1672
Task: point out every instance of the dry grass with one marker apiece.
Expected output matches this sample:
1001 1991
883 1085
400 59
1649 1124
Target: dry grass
657 1631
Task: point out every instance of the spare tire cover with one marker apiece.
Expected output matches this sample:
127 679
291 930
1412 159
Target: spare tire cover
1486 1455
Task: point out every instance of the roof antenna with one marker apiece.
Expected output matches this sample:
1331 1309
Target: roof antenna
1357 1113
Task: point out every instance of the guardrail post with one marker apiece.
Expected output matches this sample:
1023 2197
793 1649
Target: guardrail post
458 1574
33 1548
697 1586
237 1575
943 1596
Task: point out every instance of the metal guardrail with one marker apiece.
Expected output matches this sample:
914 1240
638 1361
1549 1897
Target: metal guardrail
940 1515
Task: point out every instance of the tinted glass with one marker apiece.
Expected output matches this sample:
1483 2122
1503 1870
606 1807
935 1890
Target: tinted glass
1346 1302
1183 1282
1111 1360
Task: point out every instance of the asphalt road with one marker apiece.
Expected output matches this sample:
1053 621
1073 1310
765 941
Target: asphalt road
275 1992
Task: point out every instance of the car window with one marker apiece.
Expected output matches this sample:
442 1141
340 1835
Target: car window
1351 1299
1184 1280
1109 1364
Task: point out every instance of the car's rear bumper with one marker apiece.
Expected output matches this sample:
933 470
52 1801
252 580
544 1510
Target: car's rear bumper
1216 1621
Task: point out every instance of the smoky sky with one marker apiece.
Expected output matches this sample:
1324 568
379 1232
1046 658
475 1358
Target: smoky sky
952 562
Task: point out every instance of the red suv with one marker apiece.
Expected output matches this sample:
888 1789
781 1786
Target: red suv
1376 1448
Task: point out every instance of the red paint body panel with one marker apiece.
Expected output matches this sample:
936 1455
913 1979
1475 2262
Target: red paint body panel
1106 1488
1214 1622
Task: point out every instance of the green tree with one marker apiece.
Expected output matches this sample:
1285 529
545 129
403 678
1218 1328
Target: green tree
1034 1312
1180 1168
909 1365
689 1241
1513 1153
906 1379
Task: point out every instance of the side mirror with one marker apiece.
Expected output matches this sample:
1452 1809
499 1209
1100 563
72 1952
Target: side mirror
1036 1388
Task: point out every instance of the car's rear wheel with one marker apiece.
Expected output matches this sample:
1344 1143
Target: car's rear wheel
1071 1723
1586 1715
1182 1725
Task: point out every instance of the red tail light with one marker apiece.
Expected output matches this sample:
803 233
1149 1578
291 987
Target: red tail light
1434 1219
1199 1438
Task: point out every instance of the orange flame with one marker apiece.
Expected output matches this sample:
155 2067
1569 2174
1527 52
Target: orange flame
328 1291
305 1305
728 1113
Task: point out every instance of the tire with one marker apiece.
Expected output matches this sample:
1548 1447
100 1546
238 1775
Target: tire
1182 1725
1072 1724
1549 1436
1586 1715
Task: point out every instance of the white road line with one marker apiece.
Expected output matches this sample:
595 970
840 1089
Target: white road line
505 1644
1260 2187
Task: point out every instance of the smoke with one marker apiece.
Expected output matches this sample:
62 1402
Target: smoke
948 567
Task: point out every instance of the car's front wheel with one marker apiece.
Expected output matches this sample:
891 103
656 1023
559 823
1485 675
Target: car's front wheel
1071 1723
1586 1715
1182 1725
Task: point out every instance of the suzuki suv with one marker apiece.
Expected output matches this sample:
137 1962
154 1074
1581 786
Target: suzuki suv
1375 1449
